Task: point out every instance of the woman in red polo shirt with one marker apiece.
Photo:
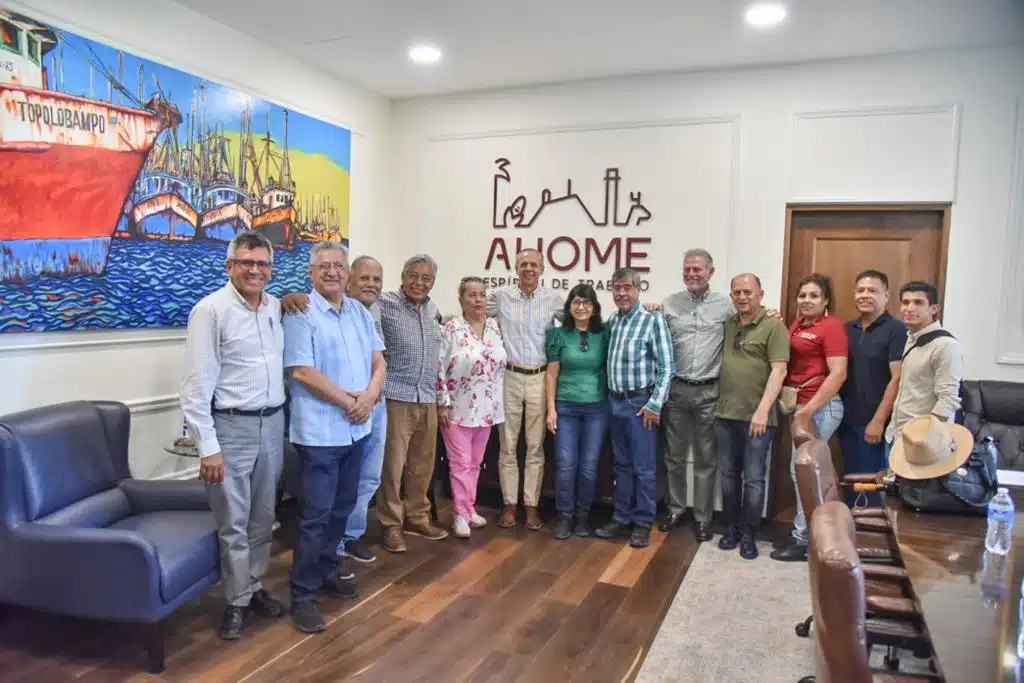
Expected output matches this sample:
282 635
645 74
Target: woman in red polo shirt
818 350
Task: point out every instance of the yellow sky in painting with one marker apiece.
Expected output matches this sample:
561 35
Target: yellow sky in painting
315 176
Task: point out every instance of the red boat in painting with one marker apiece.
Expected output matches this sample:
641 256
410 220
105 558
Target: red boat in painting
67 163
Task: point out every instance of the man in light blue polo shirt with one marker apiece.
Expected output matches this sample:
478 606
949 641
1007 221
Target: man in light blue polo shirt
337 371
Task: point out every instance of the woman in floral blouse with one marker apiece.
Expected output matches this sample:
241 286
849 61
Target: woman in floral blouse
469 396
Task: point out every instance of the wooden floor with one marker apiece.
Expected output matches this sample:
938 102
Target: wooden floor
508 605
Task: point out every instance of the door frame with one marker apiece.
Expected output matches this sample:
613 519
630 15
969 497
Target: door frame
776 475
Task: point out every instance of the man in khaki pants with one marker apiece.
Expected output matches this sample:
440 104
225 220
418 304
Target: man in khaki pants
525 311
410 322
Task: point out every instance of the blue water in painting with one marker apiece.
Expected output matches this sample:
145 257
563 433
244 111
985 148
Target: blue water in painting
147 284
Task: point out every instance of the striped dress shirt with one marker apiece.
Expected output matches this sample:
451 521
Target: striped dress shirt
524 320
412 341
640 354
233 358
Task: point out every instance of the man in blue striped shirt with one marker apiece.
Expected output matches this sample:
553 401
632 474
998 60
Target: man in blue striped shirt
640 368
337 375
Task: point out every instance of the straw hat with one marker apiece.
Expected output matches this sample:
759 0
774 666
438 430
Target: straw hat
930 448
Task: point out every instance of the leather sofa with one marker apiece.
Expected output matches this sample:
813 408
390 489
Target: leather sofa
81 537
996 409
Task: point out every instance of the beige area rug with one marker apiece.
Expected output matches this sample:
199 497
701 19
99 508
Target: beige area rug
732 622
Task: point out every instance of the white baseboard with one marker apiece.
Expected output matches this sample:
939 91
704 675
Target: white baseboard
190 473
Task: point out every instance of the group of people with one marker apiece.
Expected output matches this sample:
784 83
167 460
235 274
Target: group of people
370 377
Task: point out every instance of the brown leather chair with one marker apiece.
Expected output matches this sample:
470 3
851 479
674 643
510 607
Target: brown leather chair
817 484
841 650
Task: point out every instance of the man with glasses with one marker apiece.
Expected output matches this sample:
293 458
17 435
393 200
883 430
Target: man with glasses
337 371
640 367
524 311
754 360
232 393
412 334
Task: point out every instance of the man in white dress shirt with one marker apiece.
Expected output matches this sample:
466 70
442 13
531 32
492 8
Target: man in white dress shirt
232 395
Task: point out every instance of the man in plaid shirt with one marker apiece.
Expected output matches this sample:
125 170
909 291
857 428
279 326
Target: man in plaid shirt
640 368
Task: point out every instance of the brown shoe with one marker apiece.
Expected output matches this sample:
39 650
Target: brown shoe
508 517
426 530
392 540
533 518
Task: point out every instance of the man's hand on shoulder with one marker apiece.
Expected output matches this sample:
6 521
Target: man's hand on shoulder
296 302
652 307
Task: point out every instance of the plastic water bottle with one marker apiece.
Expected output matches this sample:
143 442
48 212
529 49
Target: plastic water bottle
1001 514
993 579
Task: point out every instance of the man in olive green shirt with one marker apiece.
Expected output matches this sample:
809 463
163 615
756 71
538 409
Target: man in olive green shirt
754 363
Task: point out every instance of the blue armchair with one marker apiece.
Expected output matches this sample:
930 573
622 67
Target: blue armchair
80 537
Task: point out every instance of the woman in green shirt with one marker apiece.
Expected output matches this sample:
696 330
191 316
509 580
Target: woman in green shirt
577 389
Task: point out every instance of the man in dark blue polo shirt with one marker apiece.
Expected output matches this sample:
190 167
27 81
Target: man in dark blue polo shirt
876 350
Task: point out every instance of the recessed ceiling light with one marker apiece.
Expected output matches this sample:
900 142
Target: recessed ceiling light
763 14
424 54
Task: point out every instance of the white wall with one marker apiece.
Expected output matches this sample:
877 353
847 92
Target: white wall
719 154
143 368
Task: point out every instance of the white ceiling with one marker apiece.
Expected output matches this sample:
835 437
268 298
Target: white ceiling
504 43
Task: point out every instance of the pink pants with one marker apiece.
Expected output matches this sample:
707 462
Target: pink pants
465 447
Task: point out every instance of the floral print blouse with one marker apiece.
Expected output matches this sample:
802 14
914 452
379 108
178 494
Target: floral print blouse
471 373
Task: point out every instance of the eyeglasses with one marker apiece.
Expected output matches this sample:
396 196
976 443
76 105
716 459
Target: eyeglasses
249 264
326 267
582 303
584 343
738 341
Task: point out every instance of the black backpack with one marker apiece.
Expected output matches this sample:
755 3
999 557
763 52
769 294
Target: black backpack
923 340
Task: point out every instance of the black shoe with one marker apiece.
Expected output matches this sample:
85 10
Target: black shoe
262 604
641 536
793 552
563 527
781 542
340 589
670 522
704 532
613 529
730 539
359 551
307 617
231 623
344 571
583 528
748 547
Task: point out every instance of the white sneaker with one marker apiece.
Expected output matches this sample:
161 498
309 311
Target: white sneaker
461 527
477 521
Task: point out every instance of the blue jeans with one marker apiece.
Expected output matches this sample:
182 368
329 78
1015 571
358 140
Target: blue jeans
578 445
827 420
369 477
861 457
635 461
330 478
743 460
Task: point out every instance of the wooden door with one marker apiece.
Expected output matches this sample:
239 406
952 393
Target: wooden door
904 242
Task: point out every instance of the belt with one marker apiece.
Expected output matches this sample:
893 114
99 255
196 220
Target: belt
696 382
261 412
632 393
527 371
